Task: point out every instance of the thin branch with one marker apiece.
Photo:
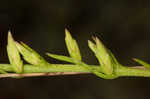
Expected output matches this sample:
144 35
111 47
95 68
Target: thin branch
67 69
40 74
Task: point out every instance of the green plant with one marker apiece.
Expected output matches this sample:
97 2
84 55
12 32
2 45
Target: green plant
109 67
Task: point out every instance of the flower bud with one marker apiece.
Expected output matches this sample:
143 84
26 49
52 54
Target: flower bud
13 54
103 56
72 46
30 55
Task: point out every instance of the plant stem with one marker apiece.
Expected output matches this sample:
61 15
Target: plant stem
68 69
39 74
137 71
50 68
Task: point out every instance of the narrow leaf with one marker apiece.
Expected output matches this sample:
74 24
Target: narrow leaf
60 57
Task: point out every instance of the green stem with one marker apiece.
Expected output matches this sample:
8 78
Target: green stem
120 71
133 71
50 68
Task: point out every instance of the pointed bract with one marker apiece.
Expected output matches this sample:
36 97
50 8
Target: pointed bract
13 54
72 46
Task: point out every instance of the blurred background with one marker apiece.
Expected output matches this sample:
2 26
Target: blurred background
122 25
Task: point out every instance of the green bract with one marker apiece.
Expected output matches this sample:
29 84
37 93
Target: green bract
13 55
30 55
72 46
103 56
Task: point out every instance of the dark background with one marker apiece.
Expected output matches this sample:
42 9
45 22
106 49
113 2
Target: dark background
123 26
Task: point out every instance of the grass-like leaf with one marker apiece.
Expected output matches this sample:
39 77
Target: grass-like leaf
61 57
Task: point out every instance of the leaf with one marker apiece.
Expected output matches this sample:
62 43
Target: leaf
60 57
13 55
30 55
72 46
145 64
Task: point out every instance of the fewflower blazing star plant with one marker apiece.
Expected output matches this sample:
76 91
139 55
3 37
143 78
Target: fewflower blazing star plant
108 68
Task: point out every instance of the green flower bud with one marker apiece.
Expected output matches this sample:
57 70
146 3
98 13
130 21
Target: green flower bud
72 46
13 54
104 57
30 55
